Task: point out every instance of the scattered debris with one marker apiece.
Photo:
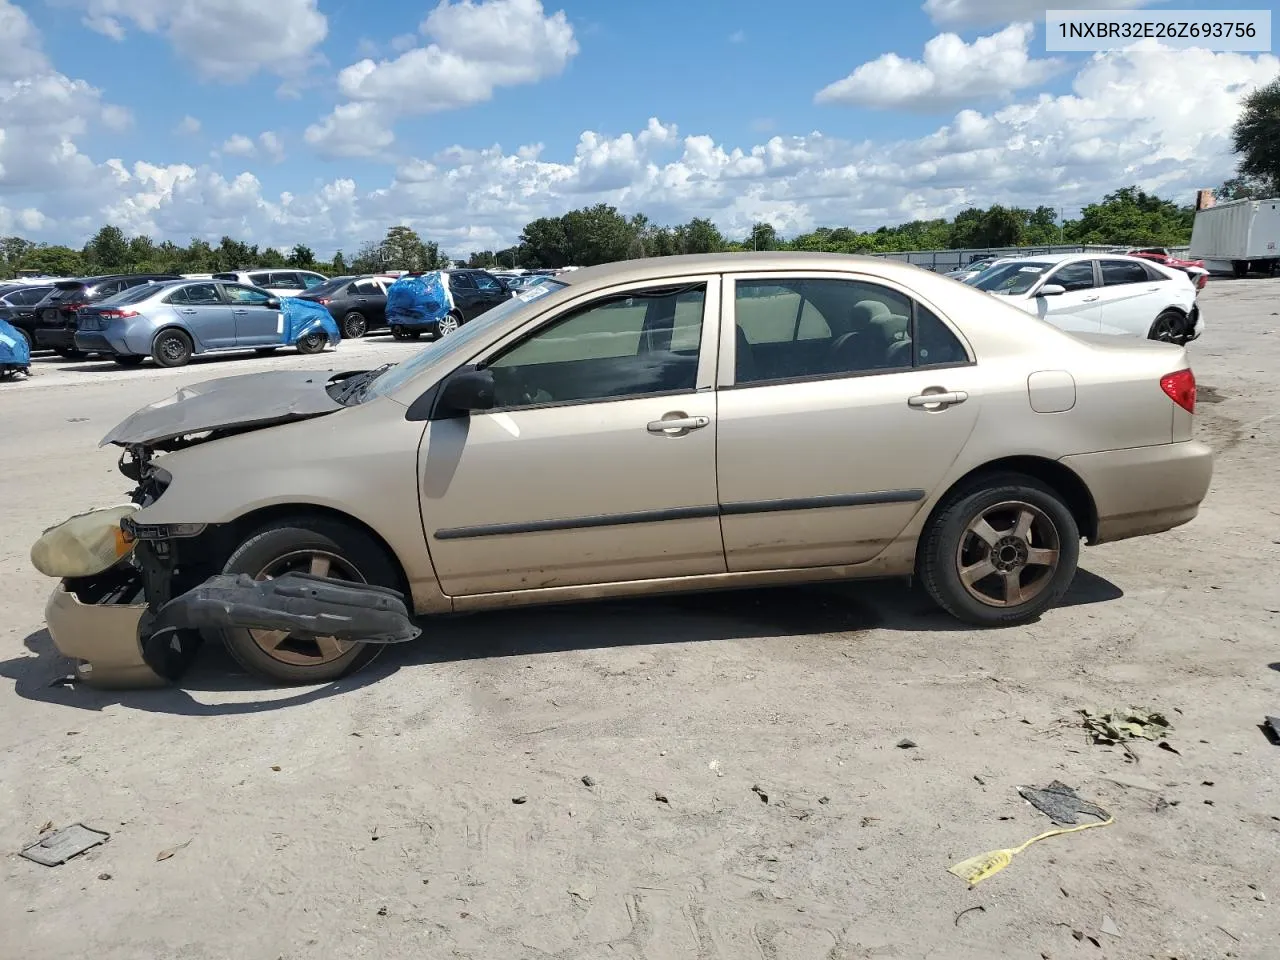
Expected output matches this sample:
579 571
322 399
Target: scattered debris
759 792
588 780
48 825
907 744
68 681
661 797
1166 745
981 782
1109 927
56 848
382 911
275 767
167 854
520 799
1058 798
1260 897
1130 723
980 908
868 821
1228 933
1206 783
1060 803
1078 934
1273 724
104 876
824 800
1064 892
584 891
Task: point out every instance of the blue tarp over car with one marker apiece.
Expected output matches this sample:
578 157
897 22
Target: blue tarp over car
417 301
302 318
15 352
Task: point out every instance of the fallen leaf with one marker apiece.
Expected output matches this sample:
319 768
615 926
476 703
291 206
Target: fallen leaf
48 825
166 854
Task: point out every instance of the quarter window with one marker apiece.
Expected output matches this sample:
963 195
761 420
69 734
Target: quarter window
285 281
641 342
461 281
1118 272
794 329
1074 276
365 288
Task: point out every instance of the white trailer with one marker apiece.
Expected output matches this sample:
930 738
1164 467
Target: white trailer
1238 237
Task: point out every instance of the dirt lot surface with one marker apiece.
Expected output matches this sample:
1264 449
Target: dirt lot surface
436 806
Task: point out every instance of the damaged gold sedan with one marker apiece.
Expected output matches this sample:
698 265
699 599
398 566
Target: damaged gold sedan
646 427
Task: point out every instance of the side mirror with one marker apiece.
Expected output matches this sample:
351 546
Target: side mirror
273 303
466 391
1052 290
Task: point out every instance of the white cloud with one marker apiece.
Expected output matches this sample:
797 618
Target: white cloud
117 118
986 13
22 54
238 145
474 48
188 126
272 146
225 40
738 36
952 72
404 41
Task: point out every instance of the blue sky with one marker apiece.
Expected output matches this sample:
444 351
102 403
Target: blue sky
745 75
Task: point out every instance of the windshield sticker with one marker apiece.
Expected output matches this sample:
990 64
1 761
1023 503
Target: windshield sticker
534 292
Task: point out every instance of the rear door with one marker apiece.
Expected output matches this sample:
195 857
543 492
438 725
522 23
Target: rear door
466 295
1131 299
257 325
828 443
201 309
492 292
370 299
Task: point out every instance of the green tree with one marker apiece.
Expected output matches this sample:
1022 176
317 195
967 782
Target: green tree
1245 188
763 236
232 254
1256 136
53 261
699 235
270 257
1130 216
302 256
404 250
339 264
108 251
370 258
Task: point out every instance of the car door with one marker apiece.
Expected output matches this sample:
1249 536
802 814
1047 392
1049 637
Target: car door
828 442
369 298
257 324
1131 300
597 464
466 295
1079 302
491 290
201 309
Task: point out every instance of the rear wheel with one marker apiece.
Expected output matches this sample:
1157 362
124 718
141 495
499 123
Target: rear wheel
1001 551
312 343
323 548
1170 327
354 325
171 348
448 324
129 360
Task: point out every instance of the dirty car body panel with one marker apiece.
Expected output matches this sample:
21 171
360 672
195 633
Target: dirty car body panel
680 424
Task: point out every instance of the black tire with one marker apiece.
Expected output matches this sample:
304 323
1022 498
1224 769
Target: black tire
70 353
1169 327
354 325
271 545
1240 269
129 359
947 540
312 343
400 333
171 348
265 351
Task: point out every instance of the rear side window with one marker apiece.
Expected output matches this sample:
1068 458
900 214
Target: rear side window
312 280
178 296
461 281
285 281
259 279
25 298
366 288
487 283
1118 272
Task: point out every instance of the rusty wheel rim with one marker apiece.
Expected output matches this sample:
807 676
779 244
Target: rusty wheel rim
305 651
1008 554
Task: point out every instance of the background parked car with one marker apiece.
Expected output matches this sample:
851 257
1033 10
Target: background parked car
357 303
171 322
18 306
1141 298
280 283
1193 268
475 291
56 313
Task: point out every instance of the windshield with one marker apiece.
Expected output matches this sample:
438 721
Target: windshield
329 286
1011 278
397 376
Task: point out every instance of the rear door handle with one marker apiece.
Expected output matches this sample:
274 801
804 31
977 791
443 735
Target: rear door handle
678 425
1090 299
930 401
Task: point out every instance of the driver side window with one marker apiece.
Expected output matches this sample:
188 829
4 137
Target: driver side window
246 295
1074 276
633 344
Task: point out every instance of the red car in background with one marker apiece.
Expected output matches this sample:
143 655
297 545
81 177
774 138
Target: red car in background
1194 268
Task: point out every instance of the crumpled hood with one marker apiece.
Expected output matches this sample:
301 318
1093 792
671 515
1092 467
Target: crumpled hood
251 400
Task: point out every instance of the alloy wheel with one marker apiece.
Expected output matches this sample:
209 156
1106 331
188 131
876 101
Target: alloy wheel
1008 554
297 650
448 324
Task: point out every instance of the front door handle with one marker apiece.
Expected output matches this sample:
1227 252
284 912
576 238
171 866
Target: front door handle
937 401
1090 299
677 425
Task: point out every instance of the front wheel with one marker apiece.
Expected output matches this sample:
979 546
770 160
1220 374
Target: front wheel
1001 551
448 324
322 548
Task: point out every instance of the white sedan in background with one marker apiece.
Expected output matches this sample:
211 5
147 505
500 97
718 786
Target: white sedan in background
1100 293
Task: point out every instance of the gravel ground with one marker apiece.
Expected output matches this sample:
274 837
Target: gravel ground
436 807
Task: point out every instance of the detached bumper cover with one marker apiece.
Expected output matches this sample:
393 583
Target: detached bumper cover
296 603
103 638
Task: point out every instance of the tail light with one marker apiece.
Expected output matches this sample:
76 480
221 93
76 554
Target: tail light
73 307
1181 388
323 301
117 314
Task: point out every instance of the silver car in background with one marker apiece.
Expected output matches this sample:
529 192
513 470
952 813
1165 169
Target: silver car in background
171 322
